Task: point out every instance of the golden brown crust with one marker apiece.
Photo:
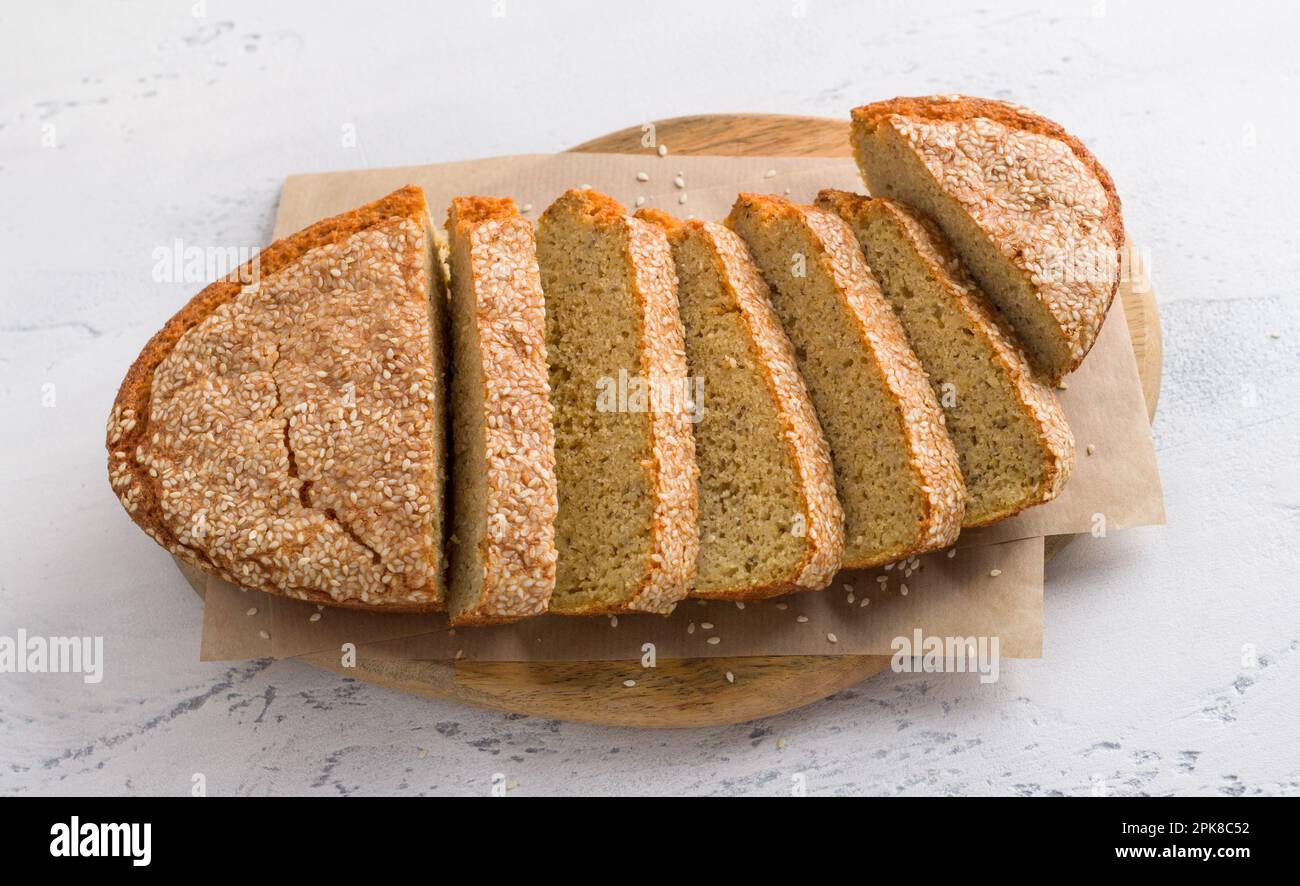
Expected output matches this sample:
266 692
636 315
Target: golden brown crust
129 420
1034 399
957 109
932 458
800 428
495 264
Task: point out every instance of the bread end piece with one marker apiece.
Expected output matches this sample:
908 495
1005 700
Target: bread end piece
137 467
1031 211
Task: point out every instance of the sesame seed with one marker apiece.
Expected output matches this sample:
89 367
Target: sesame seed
642 177
802 619
264 635
832 638
731 678
771 173
629 683
663 150
1092 447
315 616
994 573
714 641
252 610
679 182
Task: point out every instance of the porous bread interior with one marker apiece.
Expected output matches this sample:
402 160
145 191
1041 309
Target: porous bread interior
883 507
997 440
748 496
891 168
469 490
593 330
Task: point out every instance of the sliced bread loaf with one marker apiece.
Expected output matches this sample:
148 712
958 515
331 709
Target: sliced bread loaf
895 468
1028 208
770 521
285 430
627 528
1015 447
502 551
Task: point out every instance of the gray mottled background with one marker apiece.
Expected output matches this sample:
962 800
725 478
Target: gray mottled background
164 125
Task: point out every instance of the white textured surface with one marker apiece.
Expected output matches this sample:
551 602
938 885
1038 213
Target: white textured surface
170 126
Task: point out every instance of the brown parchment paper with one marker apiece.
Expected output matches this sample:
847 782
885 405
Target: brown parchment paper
945 597
956 596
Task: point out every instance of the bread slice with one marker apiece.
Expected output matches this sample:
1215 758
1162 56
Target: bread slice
285 431
627 529
503 465
770 521
895 468
1015 447
1028 208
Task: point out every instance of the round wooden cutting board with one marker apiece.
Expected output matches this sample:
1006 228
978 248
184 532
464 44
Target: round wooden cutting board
695 692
